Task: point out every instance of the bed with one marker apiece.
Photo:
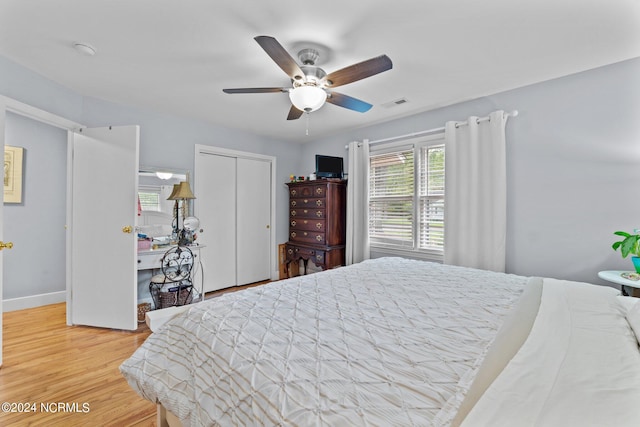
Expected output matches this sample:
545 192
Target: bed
393 341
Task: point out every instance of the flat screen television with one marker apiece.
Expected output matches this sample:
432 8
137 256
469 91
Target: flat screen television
329 166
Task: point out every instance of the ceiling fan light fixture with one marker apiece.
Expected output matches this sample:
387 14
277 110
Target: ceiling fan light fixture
307 98
164 175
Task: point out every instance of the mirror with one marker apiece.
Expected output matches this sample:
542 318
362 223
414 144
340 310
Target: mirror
155 185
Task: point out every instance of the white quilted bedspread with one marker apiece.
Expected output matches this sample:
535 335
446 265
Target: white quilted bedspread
385 342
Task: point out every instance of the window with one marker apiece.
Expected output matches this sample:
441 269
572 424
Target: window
406 196
149 198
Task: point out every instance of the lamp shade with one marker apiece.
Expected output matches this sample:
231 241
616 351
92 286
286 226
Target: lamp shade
172 196
307 98
184 192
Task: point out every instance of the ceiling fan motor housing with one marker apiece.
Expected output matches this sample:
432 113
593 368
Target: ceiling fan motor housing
308 56
313 76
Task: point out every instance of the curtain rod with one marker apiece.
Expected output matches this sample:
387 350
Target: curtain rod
513 113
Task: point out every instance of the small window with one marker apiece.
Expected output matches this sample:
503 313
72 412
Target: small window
149 200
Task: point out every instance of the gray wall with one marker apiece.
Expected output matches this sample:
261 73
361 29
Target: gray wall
36 264
573 167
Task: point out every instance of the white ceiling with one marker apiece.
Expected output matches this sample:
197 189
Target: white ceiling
176 56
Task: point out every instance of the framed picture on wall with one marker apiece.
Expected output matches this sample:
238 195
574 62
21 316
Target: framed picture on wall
13 157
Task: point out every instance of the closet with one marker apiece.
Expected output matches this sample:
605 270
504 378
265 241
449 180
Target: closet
234 202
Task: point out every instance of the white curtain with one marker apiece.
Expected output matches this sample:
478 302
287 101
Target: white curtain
357 245
476 193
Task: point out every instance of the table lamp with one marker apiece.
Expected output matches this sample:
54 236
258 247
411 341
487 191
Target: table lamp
181 191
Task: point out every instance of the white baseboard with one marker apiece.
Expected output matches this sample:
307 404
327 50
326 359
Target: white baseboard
31 301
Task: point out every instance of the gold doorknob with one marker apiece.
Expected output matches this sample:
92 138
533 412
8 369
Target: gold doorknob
7 245
127 229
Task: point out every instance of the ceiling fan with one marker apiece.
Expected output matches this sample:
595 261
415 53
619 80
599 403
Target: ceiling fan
311 84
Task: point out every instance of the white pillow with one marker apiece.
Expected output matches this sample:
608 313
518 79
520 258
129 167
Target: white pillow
633 317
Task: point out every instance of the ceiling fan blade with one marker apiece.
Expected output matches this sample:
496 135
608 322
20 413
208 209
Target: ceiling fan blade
359 71
349 102
256 90
280 56
294 113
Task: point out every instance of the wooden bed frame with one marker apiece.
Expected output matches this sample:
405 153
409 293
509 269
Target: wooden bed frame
165 418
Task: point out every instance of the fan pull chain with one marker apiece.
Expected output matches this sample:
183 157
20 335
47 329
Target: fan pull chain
307 114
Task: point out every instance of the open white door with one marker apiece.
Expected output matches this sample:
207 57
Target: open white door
103 238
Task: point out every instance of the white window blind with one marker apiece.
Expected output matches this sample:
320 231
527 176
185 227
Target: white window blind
391 190
406 196
149 198
431 198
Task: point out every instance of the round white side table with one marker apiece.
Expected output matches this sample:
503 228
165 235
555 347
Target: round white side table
615 276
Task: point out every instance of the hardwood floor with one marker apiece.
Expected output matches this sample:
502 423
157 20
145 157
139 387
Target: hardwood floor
70 373
47 362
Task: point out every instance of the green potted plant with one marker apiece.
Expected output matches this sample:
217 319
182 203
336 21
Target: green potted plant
629 245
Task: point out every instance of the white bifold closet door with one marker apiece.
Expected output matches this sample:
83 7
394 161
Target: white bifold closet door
233 203
253 220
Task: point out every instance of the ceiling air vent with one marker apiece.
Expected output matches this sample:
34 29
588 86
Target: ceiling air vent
395 103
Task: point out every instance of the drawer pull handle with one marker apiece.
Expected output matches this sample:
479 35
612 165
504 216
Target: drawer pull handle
318 257
293 203
319 214
293 234
293 223
319 225
293 213
305 233
319 238
293 192
290 251
306 200
319 202
319 190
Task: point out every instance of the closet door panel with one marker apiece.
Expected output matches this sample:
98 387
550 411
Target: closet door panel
215 190
253 180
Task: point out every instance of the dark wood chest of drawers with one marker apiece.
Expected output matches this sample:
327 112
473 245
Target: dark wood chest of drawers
317 216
